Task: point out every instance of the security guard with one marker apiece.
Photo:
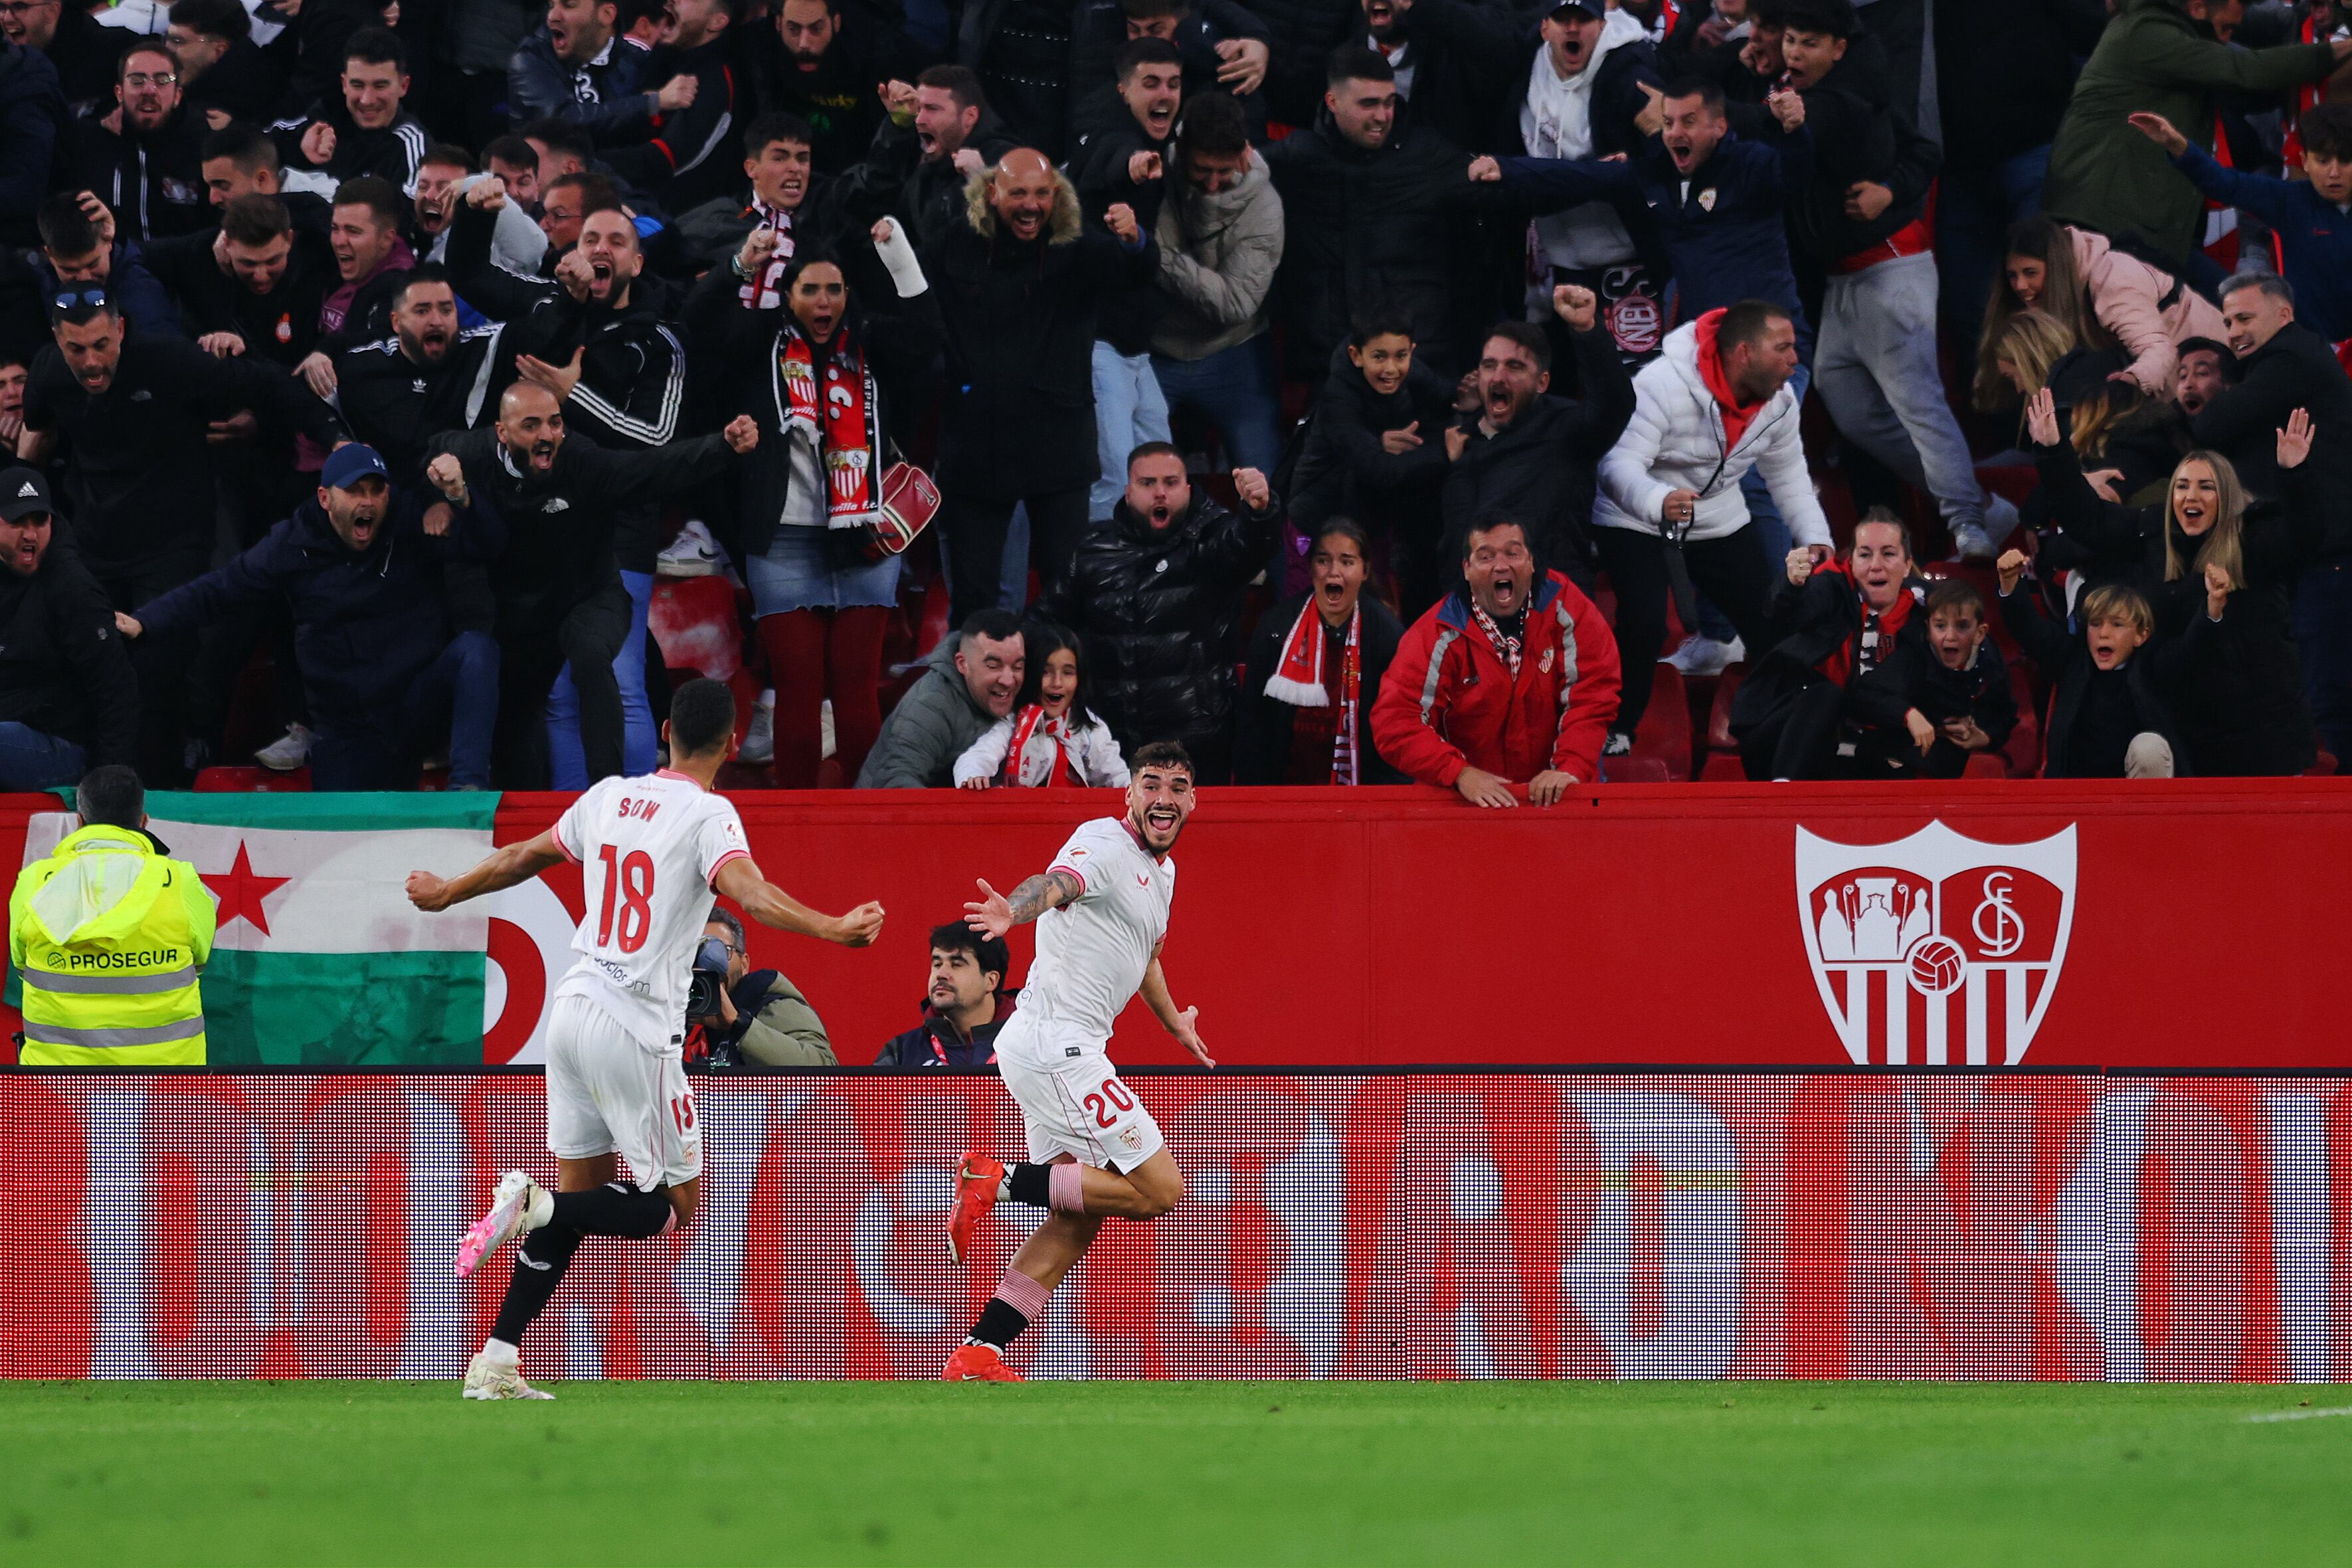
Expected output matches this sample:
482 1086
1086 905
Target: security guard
108 934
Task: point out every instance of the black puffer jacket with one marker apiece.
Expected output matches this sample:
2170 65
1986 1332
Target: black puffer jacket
1162 616
1019 417
1383 226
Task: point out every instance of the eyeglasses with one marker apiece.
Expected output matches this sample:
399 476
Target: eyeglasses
93 298
140 78
14 8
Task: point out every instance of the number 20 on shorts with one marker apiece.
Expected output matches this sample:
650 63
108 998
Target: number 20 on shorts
1109 1102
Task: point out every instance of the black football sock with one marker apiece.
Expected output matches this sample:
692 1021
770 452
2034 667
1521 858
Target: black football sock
1019 1301
617 1209
1027 1183
1000 1322
539 1266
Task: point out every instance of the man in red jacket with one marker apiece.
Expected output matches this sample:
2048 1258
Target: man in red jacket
1512 678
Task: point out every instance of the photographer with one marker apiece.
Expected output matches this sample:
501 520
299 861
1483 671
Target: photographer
749 1018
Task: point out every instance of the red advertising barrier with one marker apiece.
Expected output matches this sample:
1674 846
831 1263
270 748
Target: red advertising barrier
1858 1223
2184 925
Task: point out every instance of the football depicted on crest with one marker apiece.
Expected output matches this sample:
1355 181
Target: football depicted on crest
1936 966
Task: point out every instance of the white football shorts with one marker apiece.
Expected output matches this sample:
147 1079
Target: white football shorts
606 1093
1072 1101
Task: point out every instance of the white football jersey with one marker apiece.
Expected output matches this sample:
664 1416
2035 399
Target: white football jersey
648 850
1092 952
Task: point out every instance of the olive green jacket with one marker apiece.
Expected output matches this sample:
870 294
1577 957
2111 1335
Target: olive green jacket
2106 176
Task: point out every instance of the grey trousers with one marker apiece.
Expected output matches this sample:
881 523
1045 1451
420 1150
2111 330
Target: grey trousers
1877 375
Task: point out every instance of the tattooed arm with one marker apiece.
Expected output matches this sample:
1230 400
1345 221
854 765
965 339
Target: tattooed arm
995 914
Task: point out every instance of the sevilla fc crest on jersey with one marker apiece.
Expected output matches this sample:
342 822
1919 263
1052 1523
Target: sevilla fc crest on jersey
1935 949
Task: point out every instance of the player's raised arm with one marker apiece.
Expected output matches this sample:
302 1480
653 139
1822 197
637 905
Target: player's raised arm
1182 1024
764 902
508 866
995 913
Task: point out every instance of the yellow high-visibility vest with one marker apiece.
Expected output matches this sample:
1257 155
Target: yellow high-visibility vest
107 936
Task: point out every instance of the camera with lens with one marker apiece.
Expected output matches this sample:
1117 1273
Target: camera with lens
709 982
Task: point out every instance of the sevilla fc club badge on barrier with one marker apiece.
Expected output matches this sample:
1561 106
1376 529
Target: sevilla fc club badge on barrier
1935 949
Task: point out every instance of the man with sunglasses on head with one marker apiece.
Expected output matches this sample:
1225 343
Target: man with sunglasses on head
135 410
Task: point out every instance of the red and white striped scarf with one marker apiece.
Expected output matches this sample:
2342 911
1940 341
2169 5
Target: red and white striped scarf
765 292
1509 648
1297 679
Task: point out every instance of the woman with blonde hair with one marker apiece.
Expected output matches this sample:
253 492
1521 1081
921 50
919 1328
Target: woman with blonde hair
2030 345
2109 299
2218 572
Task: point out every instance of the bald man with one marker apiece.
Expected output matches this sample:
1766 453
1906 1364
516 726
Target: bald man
1017 283
558 588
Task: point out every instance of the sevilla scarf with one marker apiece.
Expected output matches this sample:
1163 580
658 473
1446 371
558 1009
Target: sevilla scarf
1508 648
1297 680
1063 771
844 421
765 292
1873 642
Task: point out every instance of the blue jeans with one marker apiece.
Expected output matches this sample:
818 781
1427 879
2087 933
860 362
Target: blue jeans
454 698
567 763
1974 209
1129 412
32 760
2323 637
1766 516
1233 389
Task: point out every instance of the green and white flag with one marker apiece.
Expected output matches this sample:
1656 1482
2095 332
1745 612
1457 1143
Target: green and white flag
320 959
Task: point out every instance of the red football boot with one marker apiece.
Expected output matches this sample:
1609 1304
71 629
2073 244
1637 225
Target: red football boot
976 1184
979 1363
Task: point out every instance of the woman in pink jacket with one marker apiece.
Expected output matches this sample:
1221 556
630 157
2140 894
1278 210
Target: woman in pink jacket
2109 298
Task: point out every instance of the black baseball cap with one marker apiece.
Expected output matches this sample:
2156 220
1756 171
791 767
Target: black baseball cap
22 493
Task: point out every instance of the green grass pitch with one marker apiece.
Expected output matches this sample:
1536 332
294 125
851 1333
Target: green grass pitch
130 1474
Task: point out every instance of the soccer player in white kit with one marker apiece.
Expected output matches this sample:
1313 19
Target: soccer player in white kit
1095 1153
653 851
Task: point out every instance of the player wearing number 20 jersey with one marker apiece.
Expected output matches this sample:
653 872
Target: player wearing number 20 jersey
1095 1153
653 855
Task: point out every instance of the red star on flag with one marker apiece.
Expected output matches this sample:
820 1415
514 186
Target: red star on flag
242 893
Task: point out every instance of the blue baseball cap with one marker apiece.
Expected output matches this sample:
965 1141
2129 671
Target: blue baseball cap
347 465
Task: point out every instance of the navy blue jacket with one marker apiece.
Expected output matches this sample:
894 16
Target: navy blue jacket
2314 236
937 1042
365 624
1726 237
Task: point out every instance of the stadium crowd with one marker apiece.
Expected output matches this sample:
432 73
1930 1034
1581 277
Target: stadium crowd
1355 391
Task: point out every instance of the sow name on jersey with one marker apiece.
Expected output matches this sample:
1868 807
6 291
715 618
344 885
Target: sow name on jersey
631 807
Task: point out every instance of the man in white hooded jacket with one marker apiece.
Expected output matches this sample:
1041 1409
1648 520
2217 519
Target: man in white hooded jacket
1670 515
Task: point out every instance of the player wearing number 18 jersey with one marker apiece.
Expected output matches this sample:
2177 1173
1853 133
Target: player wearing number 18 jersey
1094 1151
653 855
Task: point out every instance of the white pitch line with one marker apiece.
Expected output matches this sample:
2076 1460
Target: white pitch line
2303 1414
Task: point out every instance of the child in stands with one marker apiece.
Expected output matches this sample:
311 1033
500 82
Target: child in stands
2107 717
1956 679
1052 736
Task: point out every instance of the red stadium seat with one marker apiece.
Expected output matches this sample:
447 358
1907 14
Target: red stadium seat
1665 733
1985 764
1638 769
251 780
1723 768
